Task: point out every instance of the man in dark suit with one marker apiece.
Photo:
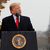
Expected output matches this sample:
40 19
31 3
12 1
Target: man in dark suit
17 22
12 24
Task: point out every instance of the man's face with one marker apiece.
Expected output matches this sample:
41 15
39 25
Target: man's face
16 9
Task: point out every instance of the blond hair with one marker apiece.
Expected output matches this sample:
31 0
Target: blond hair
13 5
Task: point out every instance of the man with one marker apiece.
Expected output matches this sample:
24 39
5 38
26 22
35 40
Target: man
16 22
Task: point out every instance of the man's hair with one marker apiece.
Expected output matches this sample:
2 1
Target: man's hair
13 5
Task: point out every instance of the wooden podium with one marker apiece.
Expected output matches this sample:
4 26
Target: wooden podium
19 40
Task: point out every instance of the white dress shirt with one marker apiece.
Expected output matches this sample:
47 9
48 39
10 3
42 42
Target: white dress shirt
15 18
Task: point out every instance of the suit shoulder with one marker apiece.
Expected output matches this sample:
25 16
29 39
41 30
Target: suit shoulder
6 18
25 17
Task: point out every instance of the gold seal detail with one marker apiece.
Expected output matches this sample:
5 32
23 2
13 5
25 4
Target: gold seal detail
19 41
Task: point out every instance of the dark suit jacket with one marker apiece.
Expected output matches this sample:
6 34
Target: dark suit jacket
8 24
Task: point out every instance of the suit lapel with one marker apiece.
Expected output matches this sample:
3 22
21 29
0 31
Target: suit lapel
20 24
13 22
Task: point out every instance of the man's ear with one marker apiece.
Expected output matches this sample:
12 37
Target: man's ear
11 11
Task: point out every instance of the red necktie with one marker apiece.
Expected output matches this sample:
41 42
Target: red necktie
17 22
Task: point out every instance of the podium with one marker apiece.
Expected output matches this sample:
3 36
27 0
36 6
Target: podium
19 40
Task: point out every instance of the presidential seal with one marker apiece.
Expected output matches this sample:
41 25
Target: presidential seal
19 41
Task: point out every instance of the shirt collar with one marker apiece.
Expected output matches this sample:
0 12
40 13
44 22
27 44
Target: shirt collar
15 18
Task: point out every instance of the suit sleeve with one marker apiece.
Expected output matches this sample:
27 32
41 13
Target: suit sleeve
3 25
30 27
2 28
